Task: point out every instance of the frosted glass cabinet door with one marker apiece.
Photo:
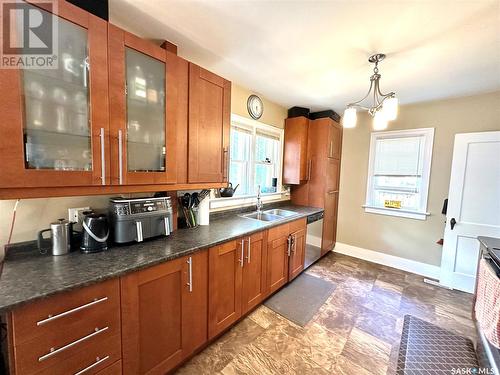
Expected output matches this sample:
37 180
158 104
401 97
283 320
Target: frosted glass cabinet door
55 120
145 112
56 107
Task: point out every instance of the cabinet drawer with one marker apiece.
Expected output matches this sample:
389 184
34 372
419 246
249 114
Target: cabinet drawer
114 369
85 357
297 225
277 232
62 316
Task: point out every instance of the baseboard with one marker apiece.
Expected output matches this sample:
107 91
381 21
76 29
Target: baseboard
424 269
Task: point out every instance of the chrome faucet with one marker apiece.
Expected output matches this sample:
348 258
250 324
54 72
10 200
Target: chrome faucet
259 201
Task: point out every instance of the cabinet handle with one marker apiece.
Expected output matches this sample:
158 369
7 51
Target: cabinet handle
309 169
224 167
54 351
97 362
330 152
249 251
242 253
138 228
333 191
86 68
51 318
103 158
167 226
289 242
190 274
120 157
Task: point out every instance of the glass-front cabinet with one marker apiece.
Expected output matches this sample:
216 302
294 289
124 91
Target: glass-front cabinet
142 147
54 118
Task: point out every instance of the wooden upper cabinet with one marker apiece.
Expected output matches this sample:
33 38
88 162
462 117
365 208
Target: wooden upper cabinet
209 124
335 140
162 314
224 286
55 121
295 162
142 131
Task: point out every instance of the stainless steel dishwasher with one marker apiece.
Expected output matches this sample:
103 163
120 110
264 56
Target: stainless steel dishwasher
313 238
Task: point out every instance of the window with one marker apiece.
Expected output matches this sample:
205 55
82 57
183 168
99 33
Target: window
398 173
255 157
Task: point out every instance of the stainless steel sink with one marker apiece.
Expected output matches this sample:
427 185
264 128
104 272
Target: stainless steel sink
280 212
262 216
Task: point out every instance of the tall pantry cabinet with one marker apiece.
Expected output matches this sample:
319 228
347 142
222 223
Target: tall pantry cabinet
319 167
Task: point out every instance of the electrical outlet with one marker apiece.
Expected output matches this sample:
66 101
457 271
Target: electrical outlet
74 213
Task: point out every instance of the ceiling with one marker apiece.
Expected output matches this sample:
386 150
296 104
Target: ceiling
314 53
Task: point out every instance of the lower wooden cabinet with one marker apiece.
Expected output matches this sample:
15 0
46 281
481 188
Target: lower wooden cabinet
297 253
237 280
158 305
278 251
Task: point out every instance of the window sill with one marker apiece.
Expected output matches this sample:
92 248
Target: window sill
396 212
244 200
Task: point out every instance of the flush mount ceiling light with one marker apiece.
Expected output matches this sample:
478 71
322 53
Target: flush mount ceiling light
384 108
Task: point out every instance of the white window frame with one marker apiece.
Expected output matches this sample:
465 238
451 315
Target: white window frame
253 126
421 214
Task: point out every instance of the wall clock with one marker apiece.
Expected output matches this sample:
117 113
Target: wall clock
255 107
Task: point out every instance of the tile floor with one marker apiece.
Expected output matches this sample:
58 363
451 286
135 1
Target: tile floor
356 332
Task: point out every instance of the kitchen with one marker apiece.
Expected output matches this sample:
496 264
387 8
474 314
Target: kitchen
207 227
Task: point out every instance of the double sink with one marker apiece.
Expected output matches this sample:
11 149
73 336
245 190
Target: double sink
269 215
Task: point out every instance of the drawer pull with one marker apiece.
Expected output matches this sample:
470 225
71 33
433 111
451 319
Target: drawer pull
97 362
54 317
54 351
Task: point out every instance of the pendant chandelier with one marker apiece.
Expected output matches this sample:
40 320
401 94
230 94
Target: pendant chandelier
384 108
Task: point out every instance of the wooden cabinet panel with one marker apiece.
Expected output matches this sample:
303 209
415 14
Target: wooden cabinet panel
335 140
195 306
209 124
297 253
224 283
41 114
295 162
332 175
254 270
152 305
132 109
277 263
329 223
114 369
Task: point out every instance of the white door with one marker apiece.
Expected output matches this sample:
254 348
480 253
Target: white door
473 206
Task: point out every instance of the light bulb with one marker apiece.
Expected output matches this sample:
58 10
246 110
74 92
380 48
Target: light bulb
390 108
349 119
379 121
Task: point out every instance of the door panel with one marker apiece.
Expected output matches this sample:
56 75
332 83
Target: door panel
335 141
473 203
55 121
254 271
297 255
209 112
330 222
195 307
143 146
277 263
152 318
225 280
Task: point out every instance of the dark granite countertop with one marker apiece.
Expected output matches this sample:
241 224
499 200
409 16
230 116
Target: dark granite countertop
28 277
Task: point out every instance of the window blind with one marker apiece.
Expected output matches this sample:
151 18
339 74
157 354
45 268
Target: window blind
398 156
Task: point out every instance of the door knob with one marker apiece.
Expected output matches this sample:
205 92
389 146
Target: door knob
452 223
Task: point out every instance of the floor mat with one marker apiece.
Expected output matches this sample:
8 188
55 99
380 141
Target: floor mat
428 349
299 300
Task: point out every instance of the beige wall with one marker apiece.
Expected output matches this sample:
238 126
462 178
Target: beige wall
273 114
408 238
36 214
